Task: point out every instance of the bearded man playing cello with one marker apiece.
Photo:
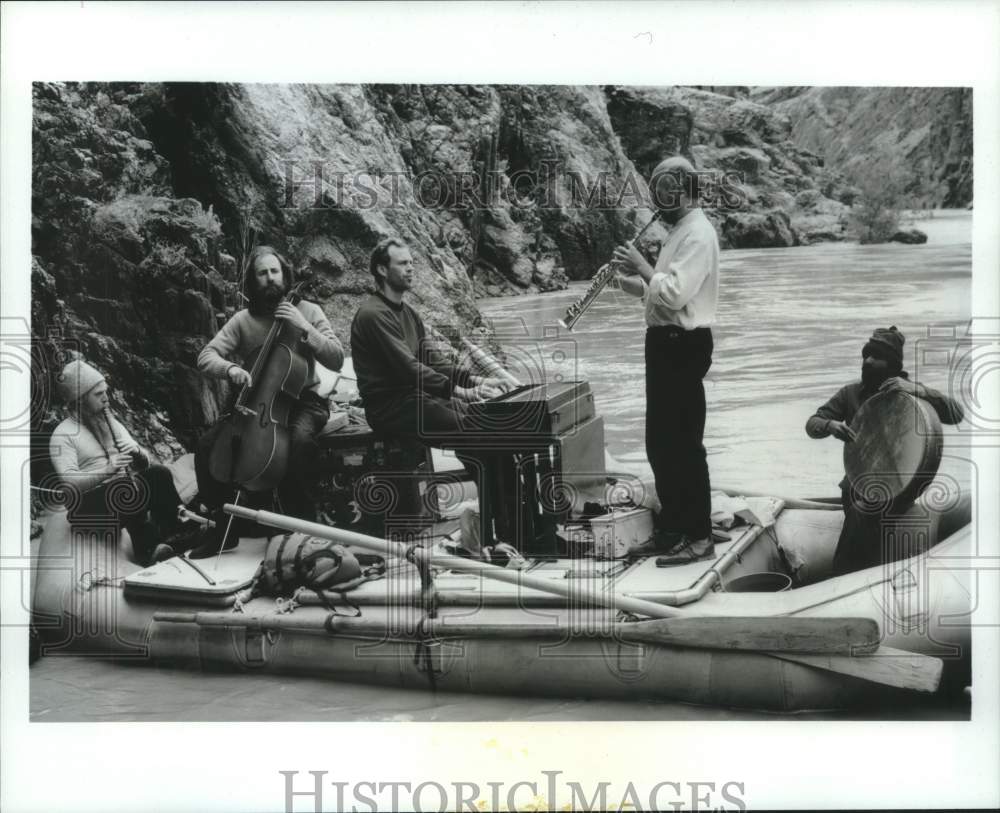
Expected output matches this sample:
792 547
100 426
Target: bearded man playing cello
268 279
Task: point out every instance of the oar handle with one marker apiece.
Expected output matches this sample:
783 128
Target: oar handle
578 591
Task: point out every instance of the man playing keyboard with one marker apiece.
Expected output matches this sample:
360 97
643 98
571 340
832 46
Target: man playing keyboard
407 389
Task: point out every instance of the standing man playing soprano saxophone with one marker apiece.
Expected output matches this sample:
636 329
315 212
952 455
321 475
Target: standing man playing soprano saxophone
680 295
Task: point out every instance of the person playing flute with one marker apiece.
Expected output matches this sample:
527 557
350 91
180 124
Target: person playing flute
93 455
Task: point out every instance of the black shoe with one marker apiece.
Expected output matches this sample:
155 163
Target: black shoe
211 548
686 552
660 542
147 545
161 553
186 538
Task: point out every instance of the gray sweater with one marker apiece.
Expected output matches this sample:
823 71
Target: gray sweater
245 333
391 357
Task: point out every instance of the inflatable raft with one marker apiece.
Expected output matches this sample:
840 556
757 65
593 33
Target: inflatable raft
482 635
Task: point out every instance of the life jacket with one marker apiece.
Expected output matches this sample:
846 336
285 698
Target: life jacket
295 560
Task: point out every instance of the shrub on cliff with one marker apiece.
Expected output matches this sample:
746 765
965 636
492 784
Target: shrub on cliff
884 193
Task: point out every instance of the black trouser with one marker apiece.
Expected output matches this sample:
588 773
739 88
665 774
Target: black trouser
297 492
127 501
676 363
423 418
866 539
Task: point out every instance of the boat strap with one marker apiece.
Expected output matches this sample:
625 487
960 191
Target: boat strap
324 599
422 655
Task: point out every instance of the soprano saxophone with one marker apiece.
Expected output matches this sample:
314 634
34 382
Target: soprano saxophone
603 276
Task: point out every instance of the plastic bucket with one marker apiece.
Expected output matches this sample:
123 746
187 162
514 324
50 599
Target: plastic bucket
759 583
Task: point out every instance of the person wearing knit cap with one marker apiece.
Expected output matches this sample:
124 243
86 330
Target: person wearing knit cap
91 449
268 279
680 295
881 371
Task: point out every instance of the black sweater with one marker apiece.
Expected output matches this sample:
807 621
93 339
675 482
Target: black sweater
391 357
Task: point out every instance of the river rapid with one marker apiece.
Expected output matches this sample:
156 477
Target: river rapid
790 330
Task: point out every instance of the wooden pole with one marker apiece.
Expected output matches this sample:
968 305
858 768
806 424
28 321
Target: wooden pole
578 592
820 636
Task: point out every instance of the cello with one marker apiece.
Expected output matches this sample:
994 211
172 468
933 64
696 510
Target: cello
251 448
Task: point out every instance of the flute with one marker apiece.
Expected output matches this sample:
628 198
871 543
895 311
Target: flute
603 276
125 470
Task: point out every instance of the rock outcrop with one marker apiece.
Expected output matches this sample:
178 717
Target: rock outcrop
144 195
123 272
773 193
930 128
912 237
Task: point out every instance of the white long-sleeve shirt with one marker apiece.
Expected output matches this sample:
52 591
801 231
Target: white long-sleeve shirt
80 452
684 290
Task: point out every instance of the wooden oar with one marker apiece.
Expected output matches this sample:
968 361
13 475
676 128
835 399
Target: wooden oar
819 635
824 504
891 667
833 636
645 496
801 635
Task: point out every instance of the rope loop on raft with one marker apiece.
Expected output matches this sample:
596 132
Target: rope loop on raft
88 581
287 605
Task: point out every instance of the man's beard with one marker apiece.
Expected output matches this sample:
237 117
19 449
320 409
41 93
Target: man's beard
872 379
265 300
91 418
399 286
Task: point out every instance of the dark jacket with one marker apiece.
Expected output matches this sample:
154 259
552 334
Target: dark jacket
846 402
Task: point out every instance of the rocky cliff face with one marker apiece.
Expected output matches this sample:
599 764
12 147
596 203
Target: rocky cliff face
852 127
142 195
123 271
777 193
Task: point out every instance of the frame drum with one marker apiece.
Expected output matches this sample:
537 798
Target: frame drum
898 447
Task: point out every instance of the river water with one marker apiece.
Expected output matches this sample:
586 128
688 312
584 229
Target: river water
791 326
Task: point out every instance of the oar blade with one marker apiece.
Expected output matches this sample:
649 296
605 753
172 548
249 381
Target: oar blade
888 666
779 633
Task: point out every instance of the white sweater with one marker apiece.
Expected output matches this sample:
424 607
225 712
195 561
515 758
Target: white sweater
80 454
684 291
